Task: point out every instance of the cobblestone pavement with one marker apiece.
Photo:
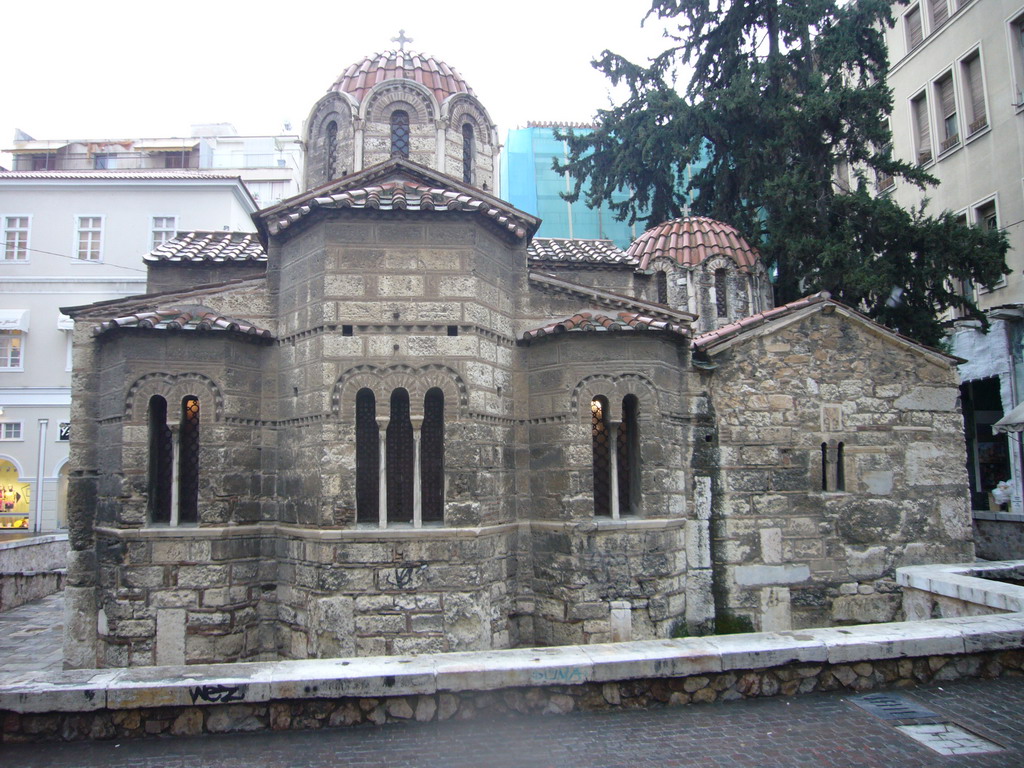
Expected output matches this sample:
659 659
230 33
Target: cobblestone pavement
823 730
31 638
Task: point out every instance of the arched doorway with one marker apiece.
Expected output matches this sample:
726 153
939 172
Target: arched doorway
14 497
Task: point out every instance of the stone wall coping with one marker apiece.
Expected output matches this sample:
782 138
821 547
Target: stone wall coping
386 676
962 582
999 517
31 541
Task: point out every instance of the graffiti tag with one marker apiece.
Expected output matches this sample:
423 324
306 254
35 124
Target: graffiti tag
217 694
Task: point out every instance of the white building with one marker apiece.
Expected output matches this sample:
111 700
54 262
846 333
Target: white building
957 74
270 166
70 238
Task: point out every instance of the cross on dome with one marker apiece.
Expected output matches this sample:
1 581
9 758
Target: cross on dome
401 40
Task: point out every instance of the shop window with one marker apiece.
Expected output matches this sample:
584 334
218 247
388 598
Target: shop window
468 153
400 133
14 497
10 351
988 455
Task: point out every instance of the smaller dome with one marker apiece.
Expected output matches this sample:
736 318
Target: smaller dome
438 77
690 240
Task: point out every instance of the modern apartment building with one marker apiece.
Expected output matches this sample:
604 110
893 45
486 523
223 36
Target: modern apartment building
957 74
69 238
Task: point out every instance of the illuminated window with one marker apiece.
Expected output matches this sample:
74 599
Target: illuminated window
10 350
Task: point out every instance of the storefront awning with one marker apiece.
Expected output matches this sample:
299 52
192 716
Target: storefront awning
1011 422
13 319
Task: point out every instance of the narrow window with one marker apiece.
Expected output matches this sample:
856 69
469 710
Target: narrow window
922 129
721 295
824 466
432 457
601 455
915 34
468 153
89 234
15 238
400 133
160 462
400 460
947 113
164 229
661 281
188 461
840 469
628 457
331 155
367 458
10 350
974 94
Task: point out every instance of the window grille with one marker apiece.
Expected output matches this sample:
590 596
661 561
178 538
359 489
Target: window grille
188 462
161 467
628 457
367 458
661 279
432 456
721 294
331 156
400 133
468 153
602 457
400 460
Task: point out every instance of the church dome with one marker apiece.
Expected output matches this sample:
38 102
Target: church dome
691 240
440 79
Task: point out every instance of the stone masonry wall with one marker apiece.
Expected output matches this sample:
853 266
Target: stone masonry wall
791 552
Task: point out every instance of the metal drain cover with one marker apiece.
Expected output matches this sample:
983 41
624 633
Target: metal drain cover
890 706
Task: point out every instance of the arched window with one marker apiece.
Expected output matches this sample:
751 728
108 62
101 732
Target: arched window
161 467
432 456
331 154
721 295
602 456
400 463
188 461
367 458
840 469
468 153
627 458
661 280
400 133
824 466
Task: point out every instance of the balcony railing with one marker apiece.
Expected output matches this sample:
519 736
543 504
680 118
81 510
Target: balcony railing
121 161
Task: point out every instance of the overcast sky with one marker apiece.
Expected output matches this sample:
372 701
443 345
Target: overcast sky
114 69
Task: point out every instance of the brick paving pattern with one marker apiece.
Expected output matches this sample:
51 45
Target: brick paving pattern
31 638
817 730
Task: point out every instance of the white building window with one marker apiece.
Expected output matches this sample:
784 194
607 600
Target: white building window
89 237
974 93
16 238
939 11
10 430
986 217
11 358
922 129
164 229
914 30
949 125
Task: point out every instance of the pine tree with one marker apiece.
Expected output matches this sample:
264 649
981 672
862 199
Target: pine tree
783 93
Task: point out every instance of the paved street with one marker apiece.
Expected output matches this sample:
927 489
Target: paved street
31 638
816 730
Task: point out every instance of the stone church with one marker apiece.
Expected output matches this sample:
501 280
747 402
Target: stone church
393 421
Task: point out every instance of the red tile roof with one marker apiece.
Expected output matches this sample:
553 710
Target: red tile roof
564 250
204 247
442 80
192 318
589 322
690 240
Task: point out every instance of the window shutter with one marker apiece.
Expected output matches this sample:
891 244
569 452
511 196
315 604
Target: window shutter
946 95
940 12
977 94
924 135
914 33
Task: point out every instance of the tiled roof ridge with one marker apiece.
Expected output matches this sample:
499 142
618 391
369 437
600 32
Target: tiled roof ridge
361 76
176 295
182 318
577 250
758 319
560 283
587 321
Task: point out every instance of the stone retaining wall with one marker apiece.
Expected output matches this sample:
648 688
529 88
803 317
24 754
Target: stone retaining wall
31 568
